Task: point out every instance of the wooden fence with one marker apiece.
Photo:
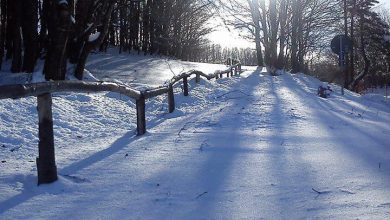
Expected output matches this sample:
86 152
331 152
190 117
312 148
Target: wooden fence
46 166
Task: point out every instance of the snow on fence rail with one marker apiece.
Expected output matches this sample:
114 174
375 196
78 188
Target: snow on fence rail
46 166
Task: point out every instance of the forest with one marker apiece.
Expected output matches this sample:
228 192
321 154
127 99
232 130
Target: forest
292 35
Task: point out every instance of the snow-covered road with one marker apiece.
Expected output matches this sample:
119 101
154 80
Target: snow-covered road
250 147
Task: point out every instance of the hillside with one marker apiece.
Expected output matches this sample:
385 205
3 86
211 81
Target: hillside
254 146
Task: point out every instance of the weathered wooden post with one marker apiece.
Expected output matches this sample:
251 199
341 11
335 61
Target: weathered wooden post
217 76
171 99
220 75
227 74
197 79
185 85
231 71
46 165
141 121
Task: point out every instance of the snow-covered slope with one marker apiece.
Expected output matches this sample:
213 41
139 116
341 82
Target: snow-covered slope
255 146
141 71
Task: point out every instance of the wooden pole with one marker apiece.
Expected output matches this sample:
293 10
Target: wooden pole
171 99
185 85
141 119
47 169
197 79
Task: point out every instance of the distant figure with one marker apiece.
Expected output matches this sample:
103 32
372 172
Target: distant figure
324 91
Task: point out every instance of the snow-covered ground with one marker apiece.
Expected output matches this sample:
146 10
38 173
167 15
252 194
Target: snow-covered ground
141 71
249 147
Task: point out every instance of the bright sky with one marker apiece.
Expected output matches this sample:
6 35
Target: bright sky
228 38
385 3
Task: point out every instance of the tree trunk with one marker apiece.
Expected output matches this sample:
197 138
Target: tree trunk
59 28
81 31
366 61
264 27
3 17
89 45
16 17
30 34
282 37
254 6
274 27
301 46
9 29
146 28
259 52
294 37
352 55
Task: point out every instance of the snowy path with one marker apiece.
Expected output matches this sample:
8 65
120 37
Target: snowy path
257 148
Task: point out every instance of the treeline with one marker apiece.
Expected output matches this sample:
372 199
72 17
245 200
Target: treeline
369 58
173 28
296 34
214 53
285 31
66 31
289 34
168 27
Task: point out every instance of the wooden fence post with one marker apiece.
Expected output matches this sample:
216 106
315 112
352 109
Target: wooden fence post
46 165
141 121
185 85
171 99
197 79
231 71
220 75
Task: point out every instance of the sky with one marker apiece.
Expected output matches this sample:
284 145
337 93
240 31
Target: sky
385 2
230 38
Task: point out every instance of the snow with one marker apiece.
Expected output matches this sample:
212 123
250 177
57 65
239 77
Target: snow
141 71
94 36
60 2
248 147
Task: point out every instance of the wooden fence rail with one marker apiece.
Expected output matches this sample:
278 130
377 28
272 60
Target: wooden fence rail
46 166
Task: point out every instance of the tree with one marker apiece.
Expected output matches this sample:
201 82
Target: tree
373 50
287 30
18 35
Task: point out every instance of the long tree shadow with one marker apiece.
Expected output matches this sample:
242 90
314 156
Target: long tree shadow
226 166
115 147
292 176
350 131
219 152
